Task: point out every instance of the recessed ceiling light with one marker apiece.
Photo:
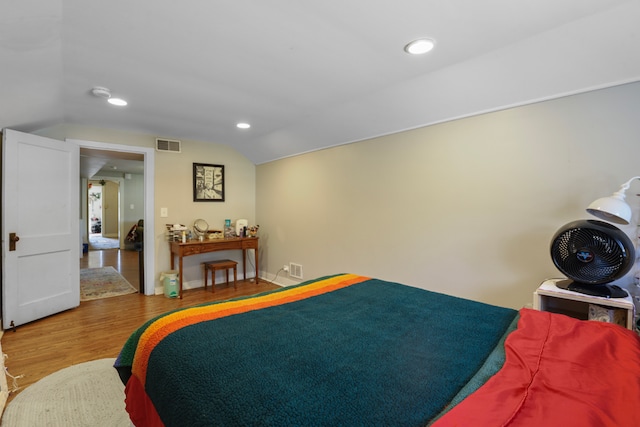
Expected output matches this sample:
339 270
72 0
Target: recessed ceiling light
243 125
419 46
117 101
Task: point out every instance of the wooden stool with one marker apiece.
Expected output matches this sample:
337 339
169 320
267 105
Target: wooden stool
223 264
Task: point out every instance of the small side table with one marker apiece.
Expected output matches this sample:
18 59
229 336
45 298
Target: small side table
549 297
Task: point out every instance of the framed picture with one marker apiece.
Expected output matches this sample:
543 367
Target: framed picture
208 183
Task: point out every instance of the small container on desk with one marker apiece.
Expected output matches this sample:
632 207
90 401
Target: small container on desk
549 297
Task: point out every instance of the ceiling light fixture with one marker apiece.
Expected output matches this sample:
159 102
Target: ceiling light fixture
419 46
103 92
243 125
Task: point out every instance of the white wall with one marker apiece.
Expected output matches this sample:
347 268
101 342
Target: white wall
467 208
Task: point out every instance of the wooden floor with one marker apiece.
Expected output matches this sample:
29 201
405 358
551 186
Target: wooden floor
98 329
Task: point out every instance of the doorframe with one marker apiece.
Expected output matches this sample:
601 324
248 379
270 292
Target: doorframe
121 182
149 202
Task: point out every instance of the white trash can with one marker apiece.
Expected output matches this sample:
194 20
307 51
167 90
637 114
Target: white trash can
169 280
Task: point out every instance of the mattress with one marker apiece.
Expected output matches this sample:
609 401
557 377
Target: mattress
352 350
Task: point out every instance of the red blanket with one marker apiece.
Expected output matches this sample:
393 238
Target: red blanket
559 372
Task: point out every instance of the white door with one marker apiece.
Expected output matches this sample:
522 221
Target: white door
40 227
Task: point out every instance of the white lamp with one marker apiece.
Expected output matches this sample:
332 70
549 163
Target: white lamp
613 208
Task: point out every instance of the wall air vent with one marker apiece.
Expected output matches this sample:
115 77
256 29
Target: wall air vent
295 270
168 145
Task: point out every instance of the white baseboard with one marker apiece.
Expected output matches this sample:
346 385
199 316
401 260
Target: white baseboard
199 283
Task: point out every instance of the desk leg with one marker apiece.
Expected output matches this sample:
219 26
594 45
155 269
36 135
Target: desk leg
244 264
255 251
180 275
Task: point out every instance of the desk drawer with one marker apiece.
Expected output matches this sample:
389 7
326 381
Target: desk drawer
195 247
251 243
193 250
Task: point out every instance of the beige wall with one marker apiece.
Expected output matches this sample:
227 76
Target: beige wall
110 210
467 208
174 189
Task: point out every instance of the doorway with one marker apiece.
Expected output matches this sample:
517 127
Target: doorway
111 163
103 211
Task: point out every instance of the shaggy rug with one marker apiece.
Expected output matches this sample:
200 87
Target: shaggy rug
100 243
87 394
104 282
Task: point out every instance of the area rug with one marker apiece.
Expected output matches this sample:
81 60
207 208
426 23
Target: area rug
100 243
87 394
104 282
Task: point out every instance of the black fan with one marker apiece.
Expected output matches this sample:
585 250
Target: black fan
592 253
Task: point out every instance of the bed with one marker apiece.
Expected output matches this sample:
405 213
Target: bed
356 351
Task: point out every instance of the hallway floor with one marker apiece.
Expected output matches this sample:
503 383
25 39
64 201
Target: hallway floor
125 263
98 242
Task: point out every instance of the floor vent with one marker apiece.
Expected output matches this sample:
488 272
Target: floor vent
168 145
295 270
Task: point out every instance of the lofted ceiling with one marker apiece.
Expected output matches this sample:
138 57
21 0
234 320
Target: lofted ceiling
305 74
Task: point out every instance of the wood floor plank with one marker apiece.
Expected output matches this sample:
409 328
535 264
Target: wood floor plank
98 329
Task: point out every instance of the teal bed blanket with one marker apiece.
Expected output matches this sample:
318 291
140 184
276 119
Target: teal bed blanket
340 350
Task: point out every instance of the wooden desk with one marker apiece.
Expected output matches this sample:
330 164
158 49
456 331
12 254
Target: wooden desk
194 247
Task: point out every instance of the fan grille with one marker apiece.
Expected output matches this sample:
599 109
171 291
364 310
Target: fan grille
592 254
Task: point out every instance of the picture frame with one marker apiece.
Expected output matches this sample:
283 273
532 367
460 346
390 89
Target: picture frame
208 182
